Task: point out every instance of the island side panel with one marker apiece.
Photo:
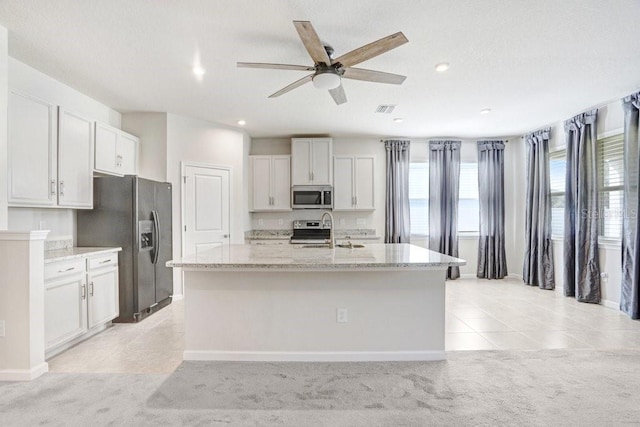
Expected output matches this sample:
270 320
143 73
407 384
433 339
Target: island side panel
289 315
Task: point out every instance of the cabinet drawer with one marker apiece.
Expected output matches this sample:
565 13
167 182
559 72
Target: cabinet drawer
103 261
58 269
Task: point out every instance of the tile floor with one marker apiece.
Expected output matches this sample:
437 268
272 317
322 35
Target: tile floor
481 315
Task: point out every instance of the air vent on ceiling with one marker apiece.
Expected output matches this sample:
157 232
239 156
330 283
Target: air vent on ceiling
387 109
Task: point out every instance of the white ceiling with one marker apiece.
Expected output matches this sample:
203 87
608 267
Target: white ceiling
532 63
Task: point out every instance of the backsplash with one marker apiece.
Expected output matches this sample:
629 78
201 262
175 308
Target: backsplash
58 243
284 220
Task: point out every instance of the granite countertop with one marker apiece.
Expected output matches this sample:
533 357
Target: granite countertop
75 252
355 234
294 257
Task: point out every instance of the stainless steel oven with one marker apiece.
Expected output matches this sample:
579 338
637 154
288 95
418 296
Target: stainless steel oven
311 197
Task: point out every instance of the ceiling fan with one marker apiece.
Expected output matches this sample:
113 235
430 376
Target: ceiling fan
327 71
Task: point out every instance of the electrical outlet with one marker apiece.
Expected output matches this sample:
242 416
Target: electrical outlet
260 222
280 221
342 315
342 221
2 331
361 221
43 225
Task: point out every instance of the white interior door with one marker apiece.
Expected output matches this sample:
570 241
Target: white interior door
206 208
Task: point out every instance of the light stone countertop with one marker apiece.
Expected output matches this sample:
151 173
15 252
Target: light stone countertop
295 257
76 252
346 234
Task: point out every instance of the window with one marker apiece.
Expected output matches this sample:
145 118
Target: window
557 171
468 204
610 181
419 198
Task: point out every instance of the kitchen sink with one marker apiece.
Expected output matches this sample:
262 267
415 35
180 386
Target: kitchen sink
342 245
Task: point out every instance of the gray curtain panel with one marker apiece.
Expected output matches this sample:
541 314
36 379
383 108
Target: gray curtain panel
444 184
538 256
397 226
581 265
492 259
630 290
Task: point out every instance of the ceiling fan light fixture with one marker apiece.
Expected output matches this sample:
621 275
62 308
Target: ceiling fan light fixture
326 80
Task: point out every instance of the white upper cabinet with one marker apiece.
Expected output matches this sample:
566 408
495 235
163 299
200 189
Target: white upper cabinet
32 151
354 183
270 178
311 161
75 152
50 153
116 152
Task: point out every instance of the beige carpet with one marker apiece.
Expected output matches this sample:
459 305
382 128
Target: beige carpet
550 387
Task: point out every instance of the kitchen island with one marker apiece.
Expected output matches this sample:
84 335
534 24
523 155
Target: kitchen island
291 303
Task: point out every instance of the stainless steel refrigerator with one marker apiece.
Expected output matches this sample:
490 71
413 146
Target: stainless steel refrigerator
135 214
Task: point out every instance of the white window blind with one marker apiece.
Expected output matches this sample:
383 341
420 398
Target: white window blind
419 198
611 179
468 204
557 171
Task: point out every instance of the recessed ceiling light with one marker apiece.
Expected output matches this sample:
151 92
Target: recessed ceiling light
398 120
442 67
485 111
198 71
242 122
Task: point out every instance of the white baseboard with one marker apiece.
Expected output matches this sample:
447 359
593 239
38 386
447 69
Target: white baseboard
177 297
473 276
320 356
23 374
610 304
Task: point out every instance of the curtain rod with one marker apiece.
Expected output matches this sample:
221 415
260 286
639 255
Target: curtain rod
429 139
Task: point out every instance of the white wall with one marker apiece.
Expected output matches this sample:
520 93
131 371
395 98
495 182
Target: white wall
151 128
610 121
26 79
199 141
4 82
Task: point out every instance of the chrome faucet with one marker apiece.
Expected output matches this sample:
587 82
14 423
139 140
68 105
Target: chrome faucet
332 239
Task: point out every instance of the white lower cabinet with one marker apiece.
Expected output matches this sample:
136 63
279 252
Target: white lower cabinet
102 283
80 295
65 302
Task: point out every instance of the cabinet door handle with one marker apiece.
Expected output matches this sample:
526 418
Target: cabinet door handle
84 291
91 291
356 199
105 261
66 269
226 236
312 176
53 187
62 188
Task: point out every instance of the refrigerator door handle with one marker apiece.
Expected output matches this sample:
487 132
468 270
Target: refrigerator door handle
156 232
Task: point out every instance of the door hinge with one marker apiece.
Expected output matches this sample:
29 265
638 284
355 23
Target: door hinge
184 178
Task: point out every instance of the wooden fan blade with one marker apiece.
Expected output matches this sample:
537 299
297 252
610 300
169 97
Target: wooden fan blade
274 66
371 50
312 42
338 95
292 86
373 76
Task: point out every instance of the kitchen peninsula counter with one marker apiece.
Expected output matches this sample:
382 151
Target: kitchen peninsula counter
297 257
289 303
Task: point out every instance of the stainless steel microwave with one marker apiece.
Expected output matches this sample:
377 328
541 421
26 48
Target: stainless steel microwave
311 197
